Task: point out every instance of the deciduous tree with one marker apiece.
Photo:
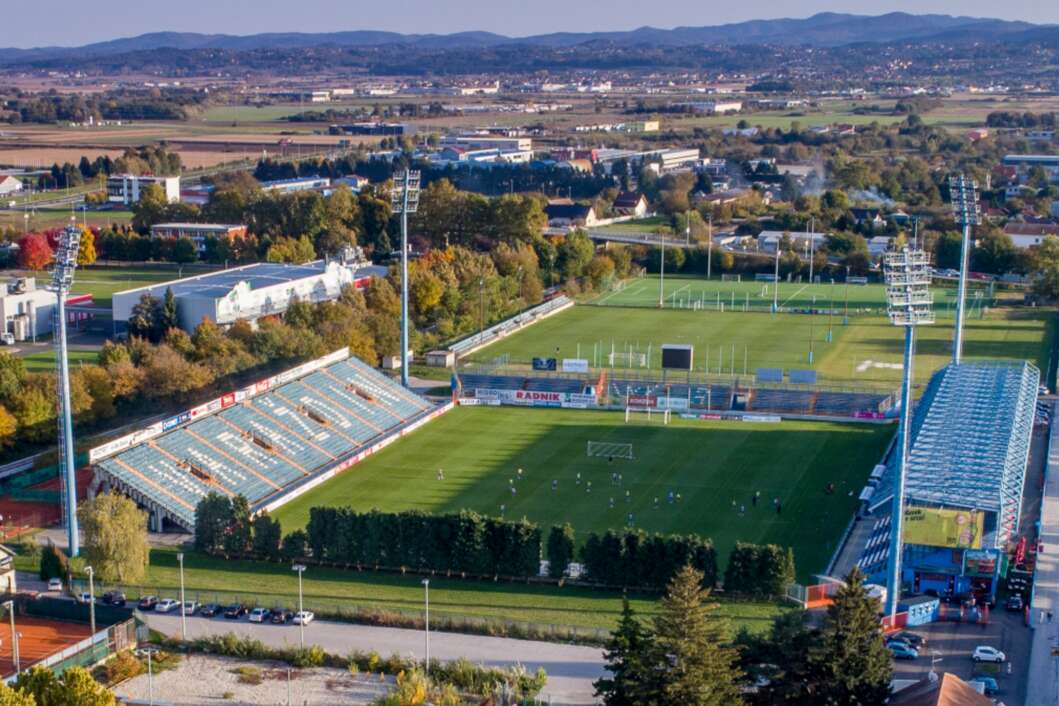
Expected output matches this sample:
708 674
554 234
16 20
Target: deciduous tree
115 538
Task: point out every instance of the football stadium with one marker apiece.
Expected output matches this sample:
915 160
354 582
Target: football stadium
734 424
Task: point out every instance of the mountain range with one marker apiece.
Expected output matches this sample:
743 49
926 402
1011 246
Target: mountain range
821 30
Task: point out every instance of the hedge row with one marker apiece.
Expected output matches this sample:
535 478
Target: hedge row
633 558
759 569
466 543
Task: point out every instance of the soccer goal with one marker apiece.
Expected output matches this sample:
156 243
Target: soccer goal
610 449
664 414
731 278
627 359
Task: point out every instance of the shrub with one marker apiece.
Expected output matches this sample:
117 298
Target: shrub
53 564
305 657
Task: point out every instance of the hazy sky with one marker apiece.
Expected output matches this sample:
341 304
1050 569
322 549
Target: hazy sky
75 22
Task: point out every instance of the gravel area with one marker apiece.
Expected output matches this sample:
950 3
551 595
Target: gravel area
206 679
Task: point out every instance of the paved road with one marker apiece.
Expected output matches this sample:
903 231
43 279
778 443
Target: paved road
571 669
1044 668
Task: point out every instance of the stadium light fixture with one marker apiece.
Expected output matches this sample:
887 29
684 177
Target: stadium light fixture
62 280
908 298
405 199
964 195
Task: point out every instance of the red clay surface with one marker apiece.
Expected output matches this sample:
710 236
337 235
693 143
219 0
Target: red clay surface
21 515
39 639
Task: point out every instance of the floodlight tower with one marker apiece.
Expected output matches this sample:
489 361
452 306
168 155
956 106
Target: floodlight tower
964 195
405 200
908 304
62 279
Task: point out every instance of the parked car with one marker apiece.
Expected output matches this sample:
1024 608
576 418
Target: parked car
209 610
166 604
984 653
1014 603
259 615
281 615
115 598
235 611
303 617
55 584
910 638
190 607
989 685
902 650
147 603
84 597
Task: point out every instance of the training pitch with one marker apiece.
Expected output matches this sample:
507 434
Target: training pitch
711 464
865 350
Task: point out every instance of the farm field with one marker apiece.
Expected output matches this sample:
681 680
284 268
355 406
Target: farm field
866 351
711 465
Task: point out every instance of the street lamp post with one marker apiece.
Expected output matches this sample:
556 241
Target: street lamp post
845 311
812 314
300 568
776 282
91 598
709 245
183 613
15 656
426 624
909 305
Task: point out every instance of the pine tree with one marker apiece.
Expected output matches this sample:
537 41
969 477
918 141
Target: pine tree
624 654
690 662
852 665
169 317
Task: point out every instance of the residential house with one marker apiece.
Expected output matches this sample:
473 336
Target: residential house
871 216
570 214
630 203
946 690
1026 235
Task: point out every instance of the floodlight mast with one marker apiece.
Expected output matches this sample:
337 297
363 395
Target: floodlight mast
908 304
62 279
964 195
405 200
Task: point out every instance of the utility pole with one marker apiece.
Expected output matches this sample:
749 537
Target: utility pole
405 199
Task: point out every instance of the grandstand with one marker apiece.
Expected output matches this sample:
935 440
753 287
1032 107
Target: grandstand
970 443
650 390
268 442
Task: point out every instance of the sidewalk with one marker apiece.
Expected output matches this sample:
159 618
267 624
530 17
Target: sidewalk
1043 674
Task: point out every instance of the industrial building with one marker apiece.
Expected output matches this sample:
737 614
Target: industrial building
26 311
1023 163
198 232
249 292
269 442
126 188
964 481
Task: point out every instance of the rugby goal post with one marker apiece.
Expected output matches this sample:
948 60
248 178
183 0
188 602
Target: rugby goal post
731 278
665 414
610 449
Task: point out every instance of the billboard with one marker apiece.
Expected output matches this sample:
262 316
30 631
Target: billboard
938 527
979 563
544 364
575 365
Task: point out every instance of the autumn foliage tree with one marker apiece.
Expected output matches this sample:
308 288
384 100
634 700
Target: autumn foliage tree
34 252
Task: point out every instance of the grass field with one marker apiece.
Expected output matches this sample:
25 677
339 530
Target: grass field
710 464
44 362
102 282
326 589
868 350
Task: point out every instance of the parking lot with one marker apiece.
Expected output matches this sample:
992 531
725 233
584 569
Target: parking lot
953 644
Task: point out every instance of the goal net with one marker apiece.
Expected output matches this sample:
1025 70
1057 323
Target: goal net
610 449
731 278
651 412
625 359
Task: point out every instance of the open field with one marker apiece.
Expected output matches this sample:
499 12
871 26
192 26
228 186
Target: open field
866 351
709 464
41 218
44 361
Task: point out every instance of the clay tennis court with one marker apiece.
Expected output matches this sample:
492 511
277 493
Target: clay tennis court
40 638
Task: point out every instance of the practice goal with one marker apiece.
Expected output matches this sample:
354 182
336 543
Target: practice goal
627 359
664 414
610 449
731 278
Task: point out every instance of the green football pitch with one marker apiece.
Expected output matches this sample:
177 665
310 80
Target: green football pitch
866 350
716 468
